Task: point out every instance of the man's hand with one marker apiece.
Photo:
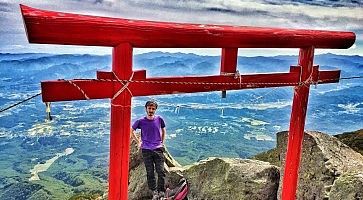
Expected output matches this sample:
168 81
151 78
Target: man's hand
137 139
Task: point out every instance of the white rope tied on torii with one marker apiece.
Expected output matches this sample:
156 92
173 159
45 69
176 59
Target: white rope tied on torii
13 105
236 75
125 83
80 89
125 86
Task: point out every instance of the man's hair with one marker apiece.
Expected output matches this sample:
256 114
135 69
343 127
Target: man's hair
151 103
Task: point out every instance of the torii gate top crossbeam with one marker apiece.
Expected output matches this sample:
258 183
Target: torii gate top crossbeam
106 31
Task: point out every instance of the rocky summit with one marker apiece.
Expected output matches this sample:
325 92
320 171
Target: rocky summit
329 170
232 178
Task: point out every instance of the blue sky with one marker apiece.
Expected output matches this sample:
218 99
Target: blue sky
327 15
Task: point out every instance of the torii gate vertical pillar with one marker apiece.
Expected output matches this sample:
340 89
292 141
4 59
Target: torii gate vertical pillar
120 126
297 124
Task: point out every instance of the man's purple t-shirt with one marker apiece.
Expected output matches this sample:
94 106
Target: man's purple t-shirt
150 132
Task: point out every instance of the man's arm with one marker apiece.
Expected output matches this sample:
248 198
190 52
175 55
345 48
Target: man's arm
163 133
133 134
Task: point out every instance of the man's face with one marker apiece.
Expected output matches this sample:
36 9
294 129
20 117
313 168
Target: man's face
150 110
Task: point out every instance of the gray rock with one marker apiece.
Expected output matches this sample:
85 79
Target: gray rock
348 186
137 183
324 161
135 156
215 178
226 178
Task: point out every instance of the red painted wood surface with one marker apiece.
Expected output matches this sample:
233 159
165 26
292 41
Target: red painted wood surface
50 27
228 63
229 60
328 76
54 90
297 124
138 75
120 126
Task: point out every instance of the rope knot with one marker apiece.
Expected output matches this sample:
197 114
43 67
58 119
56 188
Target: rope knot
125 84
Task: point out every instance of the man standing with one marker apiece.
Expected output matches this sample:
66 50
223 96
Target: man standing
152 141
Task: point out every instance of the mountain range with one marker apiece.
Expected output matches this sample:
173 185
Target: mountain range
199 125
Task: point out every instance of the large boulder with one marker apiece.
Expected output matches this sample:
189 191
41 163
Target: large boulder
138 189
214 178
329 169
227 178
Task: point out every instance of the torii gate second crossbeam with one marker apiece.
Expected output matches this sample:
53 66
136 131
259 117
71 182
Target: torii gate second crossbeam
123 83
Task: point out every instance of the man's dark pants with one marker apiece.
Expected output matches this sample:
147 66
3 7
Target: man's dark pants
154 160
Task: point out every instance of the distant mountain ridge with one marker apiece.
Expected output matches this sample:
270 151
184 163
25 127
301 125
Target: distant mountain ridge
198 116
199 125
159 63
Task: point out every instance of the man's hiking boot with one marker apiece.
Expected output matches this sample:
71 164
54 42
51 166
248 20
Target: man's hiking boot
155 195
161 195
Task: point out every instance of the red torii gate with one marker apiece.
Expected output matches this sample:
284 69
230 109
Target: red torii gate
123 83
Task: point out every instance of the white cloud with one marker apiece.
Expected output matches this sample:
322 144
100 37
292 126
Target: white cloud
233 12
